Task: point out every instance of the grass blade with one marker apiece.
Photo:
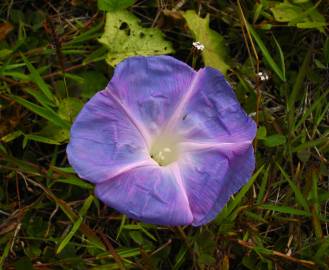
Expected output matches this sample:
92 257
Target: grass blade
298 194
283 68
263 185
309 144
76 225
315 105
41 139
46 113
266 53
235 202
76 182
285 209
36 78
297 87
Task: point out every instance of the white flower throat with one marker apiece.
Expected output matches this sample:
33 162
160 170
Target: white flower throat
164 149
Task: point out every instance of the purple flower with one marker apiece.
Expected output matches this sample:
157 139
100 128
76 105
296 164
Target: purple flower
164 143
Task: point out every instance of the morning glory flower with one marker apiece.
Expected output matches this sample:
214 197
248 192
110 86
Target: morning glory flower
163 143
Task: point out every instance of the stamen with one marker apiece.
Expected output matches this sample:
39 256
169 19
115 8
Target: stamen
164 149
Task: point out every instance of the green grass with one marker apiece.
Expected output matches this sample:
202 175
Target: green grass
51 63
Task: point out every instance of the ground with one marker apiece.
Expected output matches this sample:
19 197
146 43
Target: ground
54 55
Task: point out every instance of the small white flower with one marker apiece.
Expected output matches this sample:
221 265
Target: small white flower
198 45
263 76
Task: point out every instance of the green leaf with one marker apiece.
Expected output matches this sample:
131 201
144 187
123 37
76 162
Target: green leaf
215 52
286 12
93 81
206 259
274 140
300 1
112 5
310 25
5 52
124 36
137 237
261 133
139 227
249 262
55 133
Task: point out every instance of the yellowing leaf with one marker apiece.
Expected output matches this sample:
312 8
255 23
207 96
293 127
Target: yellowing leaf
215 51
124 36
285 12
5 29
302 15
114 4
69 108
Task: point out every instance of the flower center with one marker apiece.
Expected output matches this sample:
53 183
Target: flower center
164 150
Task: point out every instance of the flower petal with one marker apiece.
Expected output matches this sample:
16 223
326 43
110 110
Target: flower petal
150 194
104 141
213 113
211 175
151 87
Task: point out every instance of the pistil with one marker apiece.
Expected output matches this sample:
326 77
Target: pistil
164 150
